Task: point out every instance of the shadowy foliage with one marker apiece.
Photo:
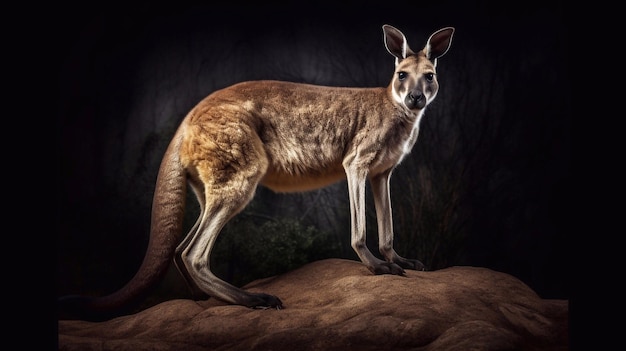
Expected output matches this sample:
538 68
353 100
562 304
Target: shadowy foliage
255 246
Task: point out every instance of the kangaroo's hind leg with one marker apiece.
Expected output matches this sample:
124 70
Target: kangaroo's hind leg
196 292
229 177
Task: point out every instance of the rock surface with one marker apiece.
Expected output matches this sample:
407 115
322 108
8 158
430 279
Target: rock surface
338 304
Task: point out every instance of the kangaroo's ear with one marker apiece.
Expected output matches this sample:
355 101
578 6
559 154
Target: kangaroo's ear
396 44
438 43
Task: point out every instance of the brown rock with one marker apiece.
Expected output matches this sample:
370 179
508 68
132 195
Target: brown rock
339 305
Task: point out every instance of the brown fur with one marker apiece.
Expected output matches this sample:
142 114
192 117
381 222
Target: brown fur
288 137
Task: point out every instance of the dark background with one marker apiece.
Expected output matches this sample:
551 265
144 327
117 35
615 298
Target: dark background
487 184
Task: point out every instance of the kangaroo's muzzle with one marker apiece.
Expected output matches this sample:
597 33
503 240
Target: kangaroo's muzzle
415 99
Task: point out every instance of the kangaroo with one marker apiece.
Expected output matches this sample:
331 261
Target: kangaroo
288 137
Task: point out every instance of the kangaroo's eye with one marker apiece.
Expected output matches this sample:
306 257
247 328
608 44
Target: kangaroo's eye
402 75
429 76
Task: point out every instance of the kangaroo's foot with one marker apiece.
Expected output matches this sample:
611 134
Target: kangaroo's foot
383 267
410 264
397 267
263 301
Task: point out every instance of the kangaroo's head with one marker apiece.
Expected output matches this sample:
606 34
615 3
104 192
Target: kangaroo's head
414 84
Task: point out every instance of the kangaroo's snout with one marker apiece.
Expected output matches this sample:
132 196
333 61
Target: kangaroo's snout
415 99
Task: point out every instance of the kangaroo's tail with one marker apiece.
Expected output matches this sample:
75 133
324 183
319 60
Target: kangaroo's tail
168 206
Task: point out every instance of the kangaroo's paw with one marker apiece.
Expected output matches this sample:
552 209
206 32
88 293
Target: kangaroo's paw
387 268
411 264
264 301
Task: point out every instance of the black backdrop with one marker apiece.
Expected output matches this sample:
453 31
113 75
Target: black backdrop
127 77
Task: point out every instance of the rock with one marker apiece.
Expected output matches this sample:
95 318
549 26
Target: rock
338 304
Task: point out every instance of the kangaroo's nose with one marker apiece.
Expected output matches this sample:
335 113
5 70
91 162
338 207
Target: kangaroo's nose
415 99
416 95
